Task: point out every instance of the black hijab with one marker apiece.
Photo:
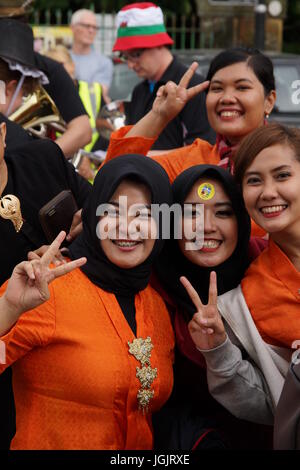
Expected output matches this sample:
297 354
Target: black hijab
101 271
172 263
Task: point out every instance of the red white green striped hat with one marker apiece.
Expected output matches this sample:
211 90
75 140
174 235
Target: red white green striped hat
141 25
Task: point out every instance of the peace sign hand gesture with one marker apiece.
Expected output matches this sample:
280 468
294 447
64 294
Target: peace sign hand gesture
171 98
28 285
206 327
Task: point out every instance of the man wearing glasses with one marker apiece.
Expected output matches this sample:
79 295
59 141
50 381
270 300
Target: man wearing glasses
90 66
144 44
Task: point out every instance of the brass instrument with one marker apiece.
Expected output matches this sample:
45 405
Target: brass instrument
39 114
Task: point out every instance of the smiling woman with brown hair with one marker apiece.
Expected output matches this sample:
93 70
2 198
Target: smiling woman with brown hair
268 167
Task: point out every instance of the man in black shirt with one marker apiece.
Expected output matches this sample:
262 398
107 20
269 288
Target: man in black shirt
16 136
144 44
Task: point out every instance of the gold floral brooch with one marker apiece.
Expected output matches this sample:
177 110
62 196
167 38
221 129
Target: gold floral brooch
141 349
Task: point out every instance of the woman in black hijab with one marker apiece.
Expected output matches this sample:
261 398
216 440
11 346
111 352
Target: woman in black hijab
99 268
225 251
173 261
107 364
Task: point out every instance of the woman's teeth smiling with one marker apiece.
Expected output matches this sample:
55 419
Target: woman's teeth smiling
273 209
230 114
126 243
211 243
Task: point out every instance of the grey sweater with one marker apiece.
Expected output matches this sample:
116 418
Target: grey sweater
245 374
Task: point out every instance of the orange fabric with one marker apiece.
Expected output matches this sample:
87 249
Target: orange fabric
257 231
174 162
74 379
271 288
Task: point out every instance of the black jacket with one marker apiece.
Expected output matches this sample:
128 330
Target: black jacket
187 126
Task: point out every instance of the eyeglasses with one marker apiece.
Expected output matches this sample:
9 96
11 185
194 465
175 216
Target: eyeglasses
88 26
133 56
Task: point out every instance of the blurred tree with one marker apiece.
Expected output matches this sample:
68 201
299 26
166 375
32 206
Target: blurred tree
292 27
182 7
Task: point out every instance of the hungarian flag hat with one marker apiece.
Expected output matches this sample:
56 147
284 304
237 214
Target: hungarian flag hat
141 25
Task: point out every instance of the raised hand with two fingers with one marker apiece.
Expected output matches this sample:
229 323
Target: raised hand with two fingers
206 327
171 98
28 285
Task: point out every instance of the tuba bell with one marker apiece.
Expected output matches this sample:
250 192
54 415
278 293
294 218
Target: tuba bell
39 115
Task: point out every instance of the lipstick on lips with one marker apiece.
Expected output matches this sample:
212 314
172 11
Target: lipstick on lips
272 211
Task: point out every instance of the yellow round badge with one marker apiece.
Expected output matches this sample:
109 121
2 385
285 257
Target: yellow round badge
206 191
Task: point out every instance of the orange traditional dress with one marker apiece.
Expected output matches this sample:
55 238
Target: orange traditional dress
271 288
78 373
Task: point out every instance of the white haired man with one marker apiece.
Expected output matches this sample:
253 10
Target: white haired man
91 66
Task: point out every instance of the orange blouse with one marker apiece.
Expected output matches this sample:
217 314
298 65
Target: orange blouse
174 162
271 288
74 379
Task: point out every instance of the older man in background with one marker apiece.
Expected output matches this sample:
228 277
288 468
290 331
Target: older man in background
60 86
91 66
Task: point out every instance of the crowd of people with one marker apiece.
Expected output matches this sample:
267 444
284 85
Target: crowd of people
172 318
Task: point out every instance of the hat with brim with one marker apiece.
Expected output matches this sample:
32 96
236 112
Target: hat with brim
16 42
141 25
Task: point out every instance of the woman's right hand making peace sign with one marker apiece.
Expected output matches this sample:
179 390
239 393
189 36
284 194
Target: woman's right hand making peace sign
171 98
28 285
206 327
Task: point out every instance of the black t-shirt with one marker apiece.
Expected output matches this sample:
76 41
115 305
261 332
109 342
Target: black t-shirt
187 126
15 135
37 172
61 88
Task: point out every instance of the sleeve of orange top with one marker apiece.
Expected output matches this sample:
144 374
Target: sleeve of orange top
34 328
172 161
119 144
